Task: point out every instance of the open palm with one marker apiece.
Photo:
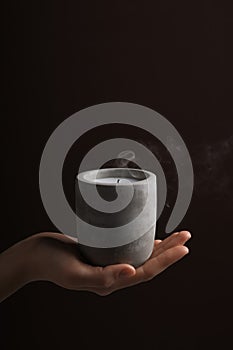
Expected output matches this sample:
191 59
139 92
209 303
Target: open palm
57 259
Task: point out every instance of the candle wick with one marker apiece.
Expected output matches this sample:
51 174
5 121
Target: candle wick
118 180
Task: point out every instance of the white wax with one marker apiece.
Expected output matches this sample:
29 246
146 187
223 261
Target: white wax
115 180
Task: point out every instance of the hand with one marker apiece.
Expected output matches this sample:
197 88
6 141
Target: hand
58 261
54 257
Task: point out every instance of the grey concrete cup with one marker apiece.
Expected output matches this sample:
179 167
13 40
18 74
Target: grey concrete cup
116 215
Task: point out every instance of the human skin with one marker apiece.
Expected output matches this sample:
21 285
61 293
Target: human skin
54 257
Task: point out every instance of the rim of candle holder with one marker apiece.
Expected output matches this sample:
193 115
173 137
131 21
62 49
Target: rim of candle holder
90 176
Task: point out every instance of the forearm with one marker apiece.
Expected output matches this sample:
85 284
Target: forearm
15 267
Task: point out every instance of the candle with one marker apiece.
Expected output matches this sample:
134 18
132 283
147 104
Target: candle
115 180
108 236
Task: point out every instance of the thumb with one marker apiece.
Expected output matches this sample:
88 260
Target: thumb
120 270
104 276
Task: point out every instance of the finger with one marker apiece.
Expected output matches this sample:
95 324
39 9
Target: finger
102 277
177 238
157 242
153 267
164 242
158 264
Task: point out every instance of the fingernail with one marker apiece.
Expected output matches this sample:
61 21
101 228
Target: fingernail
187 233
125 273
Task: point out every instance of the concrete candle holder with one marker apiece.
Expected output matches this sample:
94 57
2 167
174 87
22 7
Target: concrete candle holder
107 235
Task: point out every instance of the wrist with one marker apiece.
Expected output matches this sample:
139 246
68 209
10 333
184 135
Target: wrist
23 259
15 267
32 263
36 265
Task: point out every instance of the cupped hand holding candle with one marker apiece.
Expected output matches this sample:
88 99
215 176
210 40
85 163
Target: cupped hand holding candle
119 251
53 257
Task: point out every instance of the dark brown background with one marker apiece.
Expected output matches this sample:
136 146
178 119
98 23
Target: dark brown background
172 56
